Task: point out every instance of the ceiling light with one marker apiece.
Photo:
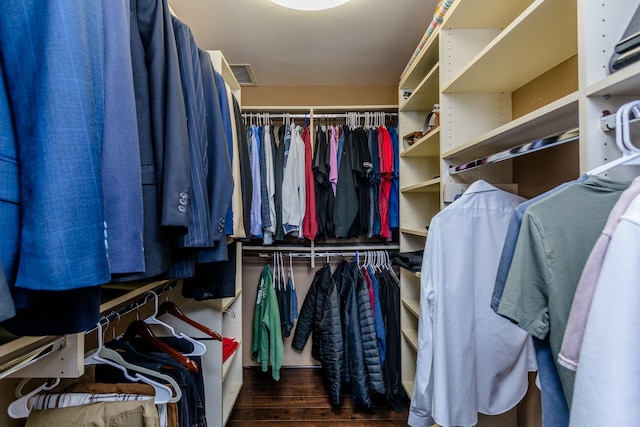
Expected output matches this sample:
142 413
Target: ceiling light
310 4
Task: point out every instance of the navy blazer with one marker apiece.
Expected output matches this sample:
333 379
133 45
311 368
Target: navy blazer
199 234
162 132
220 178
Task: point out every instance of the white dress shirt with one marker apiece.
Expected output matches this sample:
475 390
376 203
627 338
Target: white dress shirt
470 359
607 386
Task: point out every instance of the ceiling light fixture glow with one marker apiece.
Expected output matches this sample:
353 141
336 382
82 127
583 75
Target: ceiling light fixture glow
310 4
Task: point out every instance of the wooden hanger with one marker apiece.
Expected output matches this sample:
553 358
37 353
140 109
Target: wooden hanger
171 308
138 328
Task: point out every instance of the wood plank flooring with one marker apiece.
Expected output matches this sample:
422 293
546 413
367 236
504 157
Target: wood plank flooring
300 398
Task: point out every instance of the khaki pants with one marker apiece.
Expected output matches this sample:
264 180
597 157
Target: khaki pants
141 413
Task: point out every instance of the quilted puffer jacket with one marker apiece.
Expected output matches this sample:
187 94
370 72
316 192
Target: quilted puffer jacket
320 314
362 357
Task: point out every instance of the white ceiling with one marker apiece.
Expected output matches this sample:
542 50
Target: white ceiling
361 43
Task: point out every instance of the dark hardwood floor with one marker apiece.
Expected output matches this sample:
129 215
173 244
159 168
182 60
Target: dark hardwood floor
300 398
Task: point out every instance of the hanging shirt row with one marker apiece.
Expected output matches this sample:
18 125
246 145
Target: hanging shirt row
500 274
120 152
309 191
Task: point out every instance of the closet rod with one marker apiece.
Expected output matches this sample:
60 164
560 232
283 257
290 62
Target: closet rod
360 115
32 356
132 306
310 249
312 252
530 147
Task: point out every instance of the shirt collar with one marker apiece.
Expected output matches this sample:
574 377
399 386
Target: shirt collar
480 186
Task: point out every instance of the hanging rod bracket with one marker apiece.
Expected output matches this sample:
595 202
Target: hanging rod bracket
608 120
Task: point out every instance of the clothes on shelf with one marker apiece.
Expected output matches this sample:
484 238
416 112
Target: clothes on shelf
140 164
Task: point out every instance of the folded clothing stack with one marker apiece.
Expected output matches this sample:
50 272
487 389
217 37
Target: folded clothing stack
410 260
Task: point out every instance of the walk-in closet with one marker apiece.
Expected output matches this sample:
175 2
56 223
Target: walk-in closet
319 213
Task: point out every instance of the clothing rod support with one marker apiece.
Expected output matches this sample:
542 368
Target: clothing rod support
33 356
608 120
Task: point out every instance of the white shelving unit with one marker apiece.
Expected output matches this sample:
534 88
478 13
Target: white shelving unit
509 72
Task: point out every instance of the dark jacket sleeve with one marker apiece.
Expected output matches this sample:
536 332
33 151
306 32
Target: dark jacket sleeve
358 377
368 334
306 319
332 344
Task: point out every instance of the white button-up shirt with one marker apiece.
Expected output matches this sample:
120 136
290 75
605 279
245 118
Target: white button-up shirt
470 359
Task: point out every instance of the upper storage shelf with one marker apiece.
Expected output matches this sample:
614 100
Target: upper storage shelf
425 94
541 37
426 60
475 15
623 82
555 117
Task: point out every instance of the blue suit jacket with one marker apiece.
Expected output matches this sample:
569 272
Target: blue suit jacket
121 174
51 208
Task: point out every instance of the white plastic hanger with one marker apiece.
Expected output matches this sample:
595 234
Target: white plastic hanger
198 348
19 408
163 393
630 154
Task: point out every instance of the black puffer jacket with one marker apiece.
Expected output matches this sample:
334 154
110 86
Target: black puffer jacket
320 314
362 358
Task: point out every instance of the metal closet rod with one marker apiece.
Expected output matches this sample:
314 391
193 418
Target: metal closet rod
530 147
132 306
359 114
314 252
321 249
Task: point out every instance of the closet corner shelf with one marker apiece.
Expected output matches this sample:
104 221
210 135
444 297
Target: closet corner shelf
411 335
226 366
222 304
414 232
425 60
623 82
429 186
425 94
554 117
413 305
507 62
427 146
471 15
